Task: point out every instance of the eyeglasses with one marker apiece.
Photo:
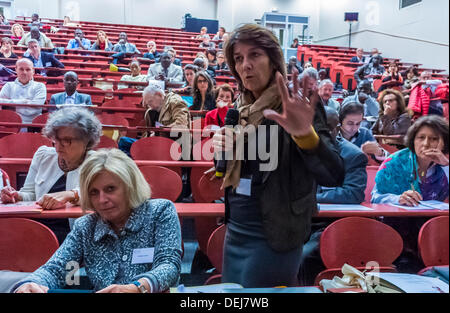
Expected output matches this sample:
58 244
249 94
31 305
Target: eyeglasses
202 81
64 142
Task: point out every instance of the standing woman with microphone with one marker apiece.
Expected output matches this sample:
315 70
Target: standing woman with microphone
268 213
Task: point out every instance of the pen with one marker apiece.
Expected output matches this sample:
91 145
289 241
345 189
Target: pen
9 185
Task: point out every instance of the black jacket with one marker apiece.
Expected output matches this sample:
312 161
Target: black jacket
288 194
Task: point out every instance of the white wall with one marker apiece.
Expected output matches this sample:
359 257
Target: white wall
427 21
417 34
232 13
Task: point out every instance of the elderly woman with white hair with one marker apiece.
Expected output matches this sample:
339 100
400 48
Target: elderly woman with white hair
52 179
130 244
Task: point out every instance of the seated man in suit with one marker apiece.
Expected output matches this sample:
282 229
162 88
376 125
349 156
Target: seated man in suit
42 59
166 70
43 40
71 96
359 58
351 192
124 49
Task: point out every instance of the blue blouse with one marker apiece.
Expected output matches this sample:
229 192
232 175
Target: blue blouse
108 256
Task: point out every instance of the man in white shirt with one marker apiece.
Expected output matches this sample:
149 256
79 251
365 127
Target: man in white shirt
24 90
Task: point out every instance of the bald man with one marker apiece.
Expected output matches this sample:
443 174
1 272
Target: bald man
70 96
24 90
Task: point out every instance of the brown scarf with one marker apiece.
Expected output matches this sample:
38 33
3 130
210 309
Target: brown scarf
251 113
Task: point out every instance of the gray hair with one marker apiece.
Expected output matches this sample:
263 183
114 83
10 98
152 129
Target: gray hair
310 72
33 41
153 89
325 82
85 123
71 73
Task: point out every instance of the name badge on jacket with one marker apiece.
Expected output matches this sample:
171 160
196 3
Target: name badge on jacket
245 187
144 255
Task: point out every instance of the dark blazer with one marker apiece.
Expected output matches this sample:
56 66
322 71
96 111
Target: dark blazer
80 98
48 60
352 189
288 194
356 60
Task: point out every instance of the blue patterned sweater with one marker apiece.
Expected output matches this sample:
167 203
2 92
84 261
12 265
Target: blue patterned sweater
108 257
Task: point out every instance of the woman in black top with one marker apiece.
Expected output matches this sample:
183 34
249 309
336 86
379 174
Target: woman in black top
6 52
270 199
202 93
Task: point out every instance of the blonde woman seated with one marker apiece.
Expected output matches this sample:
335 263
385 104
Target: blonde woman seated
17 32
135 76
125 223
102 42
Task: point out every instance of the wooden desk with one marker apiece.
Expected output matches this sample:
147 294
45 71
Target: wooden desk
218 210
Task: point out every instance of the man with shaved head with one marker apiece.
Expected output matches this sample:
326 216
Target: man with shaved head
71 96
24 90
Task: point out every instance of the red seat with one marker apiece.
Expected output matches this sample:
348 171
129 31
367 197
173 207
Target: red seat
371 173
358 241
10 117
214 252
157 148
433 241
106 142
164 183
25 244
112 119
41 119
121 104
21 145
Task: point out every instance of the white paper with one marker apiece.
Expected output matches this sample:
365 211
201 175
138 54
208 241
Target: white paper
144 255
411 283
343 207
426 205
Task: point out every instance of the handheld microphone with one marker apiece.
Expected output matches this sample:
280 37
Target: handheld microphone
231 120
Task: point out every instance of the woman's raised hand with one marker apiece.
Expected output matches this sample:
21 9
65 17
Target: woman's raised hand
298 109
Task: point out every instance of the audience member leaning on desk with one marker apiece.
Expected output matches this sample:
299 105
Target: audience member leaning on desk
52 179
418 172
146 232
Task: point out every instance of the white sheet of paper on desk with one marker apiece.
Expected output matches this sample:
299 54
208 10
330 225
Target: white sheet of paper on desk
343 207
411 283
426 205
19 204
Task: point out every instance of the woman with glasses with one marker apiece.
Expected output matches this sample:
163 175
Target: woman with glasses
202 93
53 177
